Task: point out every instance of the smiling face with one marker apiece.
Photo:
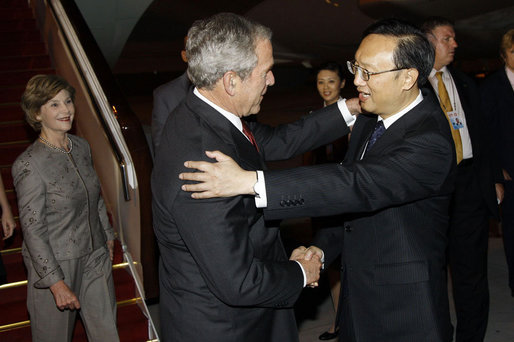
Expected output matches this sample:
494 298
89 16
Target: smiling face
329 86
56 115
251 90
382 94
443 40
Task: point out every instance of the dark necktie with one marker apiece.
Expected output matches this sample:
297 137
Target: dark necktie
377 133
249 135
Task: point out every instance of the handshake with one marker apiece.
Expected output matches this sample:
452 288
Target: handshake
311 261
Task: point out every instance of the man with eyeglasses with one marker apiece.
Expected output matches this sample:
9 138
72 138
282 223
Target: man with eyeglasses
478 188
393 189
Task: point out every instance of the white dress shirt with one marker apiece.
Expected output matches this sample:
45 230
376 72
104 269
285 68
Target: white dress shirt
453 94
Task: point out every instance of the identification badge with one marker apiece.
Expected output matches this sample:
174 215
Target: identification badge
455 119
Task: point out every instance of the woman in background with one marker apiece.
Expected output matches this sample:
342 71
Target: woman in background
329 82
67 239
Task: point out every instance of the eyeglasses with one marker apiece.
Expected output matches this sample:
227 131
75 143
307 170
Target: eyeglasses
363 73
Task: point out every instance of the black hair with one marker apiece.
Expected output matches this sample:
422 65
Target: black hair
413 49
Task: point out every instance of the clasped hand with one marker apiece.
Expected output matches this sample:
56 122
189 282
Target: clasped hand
310 259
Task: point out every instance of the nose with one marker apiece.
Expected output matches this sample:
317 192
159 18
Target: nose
454 43
270 79
358 80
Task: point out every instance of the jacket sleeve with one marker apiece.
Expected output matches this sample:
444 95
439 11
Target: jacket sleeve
30 190
416 168
316 129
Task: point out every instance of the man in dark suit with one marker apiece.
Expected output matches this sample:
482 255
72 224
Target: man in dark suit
394 188
476 194
224 274
498 105
165 99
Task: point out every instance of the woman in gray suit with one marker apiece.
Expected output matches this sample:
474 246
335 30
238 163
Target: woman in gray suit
67 239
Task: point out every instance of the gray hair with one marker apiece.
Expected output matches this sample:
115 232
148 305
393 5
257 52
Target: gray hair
224 42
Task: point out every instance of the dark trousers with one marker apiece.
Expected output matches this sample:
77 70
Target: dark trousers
508 229
467 256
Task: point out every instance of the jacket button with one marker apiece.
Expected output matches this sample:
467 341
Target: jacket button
282 203
348 228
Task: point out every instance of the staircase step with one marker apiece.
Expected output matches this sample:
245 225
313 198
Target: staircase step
25 63
9 153
25 36
15 13
14 25
23 48
5 171
15 131
20 78
11 95
11 112
13 4
16 300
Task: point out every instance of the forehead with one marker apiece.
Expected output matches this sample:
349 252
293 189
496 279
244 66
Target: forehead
327 74
376 50
443 31
61 95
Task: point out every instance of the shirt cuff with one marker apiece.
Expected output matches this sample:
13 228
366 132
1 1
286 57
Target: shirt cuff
347 116
261 200
303 272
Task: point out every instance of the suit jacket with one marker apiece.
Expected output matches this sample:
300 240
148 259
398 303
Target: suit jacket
485 168
165 99
224 274
394 236
62 213
498 106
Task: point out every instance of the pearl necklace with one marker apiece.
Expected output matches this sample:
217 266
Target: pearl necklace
47 143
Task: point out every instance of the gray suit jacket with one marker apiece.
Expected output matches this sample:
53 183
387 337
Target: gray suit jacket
224 274
394 234
62 213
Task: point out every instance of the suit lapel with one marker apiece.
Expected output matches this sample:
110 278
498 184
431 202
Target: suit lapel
361 133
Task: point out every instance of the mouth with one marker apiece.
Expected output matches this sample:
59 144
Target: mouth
65 119
363 96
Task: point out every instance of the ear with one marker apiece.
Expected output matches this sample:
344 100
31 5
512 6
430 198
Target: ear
343 83
411 78
230 80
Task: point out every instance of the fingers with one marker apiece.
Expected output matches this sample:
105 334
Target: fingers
313 250
198 165
298 253
110 247
219 156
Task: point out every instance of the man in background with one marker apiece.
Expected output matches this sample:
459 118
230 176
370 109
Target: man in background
498 105
477 190
166 98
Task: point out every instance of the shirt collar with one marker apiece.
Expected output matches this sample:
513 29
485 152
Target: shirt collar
392 119
444 69
234 119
